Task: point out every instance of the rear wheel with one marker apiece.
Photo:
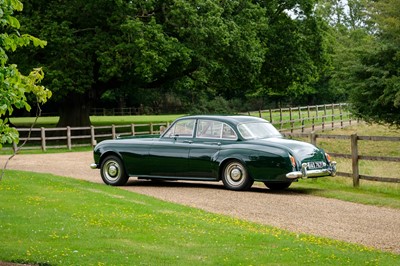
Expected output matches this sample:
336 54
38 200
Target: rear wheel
277 185
113 172
235 176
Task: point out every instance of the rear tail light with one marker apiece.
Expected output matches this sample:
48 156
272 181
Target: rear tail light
292 160
328 157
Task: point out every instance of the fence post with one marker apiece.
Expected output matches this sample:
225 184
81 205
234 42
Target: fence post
341 120
270 115
354 160
133 129
300 112
291 119
151 128
313 138
43 138
92 136
69 142
316 111
113 132
15 146
313 124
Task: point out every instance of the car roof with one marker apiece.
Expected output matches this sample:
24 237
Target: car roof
234 119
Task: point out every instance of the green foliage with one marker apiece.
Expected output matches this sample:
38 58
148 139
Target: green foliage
365 56
376 93
185 48
217 105
14 85
296 53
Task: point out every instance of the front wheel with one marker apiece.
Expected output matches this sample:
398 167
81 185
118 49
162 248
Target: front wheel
113 172
235 176
277 185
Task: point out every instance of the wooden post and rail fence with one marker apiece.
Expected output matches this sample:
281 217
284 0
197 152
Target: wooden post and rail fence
355 156
312 118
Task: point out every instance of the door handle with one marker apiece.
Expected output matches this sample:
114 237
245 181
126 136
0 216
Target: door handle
213 143
188 141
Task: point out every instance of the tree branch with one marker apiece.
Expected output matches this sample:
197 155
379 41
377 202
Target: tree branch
38 114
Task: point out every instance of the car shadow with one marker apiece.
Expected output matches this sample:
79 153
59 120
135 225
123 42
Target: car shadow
256 188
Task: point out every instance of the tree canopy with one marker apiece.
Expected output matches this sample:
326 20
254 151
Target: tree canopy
193 49
376 94
366 59
14 85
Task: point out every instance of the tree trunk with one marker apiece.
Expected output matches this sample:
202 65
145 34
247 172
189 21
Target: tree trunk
74 111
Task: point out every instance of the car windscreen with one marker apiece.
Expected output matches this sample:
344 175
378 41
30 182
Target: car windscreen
258 130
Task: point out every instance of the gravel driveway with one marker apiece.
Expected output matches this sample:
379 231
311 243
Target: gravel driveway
368 225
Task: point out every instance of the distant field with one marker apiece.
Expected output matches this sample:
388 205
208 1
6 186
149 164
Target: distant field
51 121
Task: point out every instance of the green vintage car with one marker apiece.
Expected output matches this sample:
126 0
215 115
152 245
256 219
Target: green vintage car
235 149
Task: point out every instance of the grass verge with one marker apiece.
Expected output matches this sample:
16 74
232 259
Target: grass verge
370 193
51 220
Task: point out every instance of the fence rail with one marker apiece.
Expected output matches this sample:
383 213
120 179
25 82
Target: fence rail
84 136
354 155
293 119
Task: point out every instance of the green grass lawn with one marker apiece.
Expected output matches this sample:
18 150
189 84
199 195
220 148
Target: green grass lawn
51 220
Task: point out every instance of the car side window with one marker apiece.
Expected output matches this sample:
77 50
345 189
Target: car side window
182 128
214 130
228 132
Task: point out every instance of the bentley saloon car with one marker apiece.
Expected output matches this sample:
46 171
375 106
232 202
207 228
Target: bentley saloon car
237 150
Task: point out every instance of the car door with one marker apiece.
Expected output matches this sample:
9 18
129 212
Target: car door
210 137
170 154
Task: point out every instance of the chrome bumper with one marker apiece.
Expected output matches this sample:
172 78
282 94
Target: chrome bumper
93 166
304 173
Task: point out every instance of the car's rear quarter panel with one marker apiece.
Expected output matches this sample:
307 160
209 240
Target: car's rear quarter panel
262 163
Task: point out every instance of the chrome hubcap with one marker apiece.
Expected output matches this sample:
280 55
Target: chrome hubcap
236 174
112 170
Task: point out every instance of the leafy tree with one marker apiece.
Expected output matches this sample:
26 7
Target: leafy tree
123 46
295 48
348 37
365 56
344 15
376 92
187 48
14 85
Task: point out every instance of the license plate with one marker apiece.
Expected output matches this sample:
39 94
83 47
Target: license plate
314 165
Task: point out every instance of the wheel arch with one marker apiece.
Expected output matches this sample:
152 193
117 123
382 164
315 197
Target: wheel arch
108 153
227 160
